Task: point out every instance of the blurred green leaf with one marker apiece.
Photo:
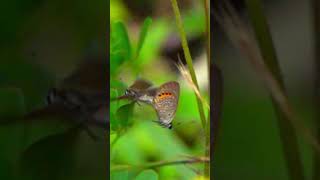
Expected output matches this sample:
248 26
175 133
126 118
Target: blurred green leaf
143 34
11 108
41 128
116 90
11 135
26 76
147 174
147 141
124 113
152 43
186 108
6 168
114 124
120 46
119 175
118 10
50 158
11 104
194 22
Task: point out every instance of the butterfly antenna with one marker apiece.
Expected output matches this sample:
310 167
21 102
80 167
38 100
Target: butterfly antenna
119 98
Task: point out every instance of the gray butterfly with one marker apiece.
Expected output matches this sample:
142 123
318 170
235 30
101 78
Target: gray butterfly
81 97
164 99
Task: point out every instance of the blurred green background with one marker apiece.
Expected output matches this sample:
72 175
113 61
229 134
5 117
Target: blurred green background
248 145
134 139
41 42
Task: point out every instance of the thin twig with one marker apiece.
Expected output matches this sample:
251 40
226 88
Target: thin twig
186 75
161 163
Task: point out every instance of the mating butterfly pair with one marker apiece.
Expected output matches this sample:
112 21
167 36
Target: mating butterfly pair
164 98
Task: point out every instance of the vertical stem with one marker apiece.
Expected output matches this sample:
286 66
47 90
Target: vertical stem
287 133
188 57
190 67
316 20
206 4
215 106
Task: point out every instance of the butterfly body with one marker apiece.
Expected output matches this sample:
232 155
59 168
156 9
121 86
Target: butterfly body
146 96
80 107
79 98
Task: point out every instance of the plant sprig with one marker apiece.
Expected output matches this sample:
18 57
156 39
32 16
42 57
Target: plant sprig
188 57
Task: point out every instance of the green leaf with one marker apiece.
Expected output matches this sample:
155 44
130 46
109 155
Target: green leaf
143 34
117 89
12 103
51 158
11 134
118 10
147 174
119 175
120 48
124 113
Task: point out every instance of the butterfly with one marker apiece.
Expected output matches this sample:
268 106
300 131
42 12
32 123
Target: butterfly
164 98
80 97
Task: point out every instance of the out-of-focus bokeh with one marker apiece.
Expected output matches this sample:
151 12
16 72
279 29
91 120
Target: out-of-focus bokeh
249 145
136 141
41 43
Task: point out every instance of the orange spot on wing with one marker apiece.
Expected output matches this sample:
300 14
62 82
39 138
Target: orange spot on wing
164 95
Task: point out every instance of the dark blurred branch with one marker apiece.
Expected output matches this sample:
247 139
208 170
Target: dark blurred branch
316 20
59 113
207 13
271 70
266 65
161 163
208 127
216 96
216 103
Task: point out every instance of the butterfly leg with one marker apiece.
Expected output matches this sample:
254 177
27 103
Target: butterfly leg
84 123
163 125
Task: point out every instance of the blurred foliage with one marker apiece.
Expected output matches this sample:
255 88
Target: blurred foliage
136 140
41 42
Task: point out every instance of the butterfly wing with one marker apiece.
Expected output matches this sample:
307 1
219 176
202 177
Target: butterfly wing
89 75
140 85
165 102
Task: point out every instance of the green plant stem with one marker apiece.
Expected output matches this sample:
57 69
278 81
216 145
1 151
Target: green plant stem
188 57
316 21
287 133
